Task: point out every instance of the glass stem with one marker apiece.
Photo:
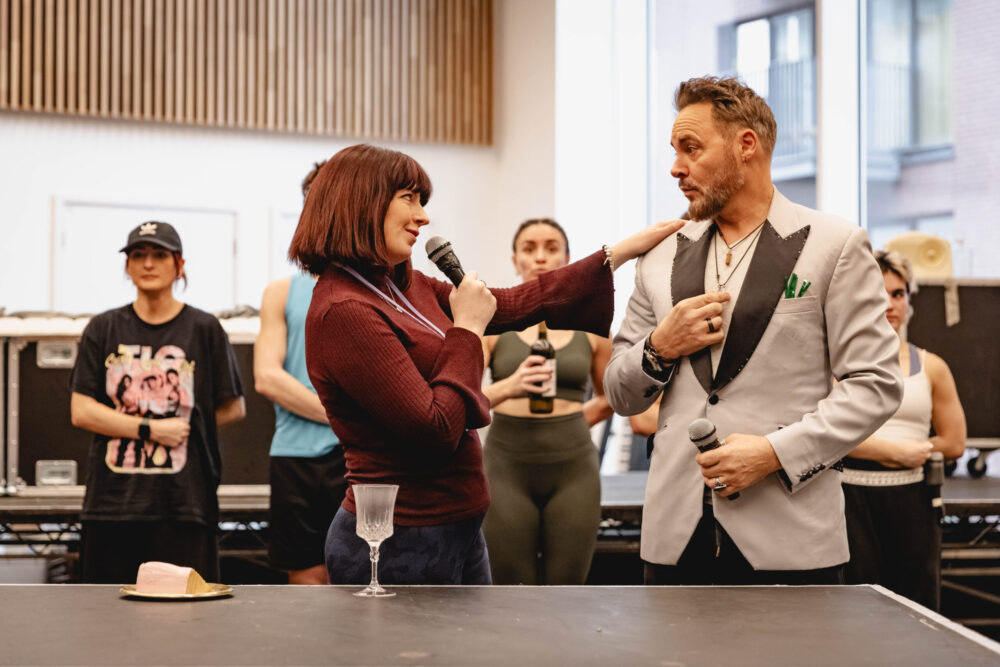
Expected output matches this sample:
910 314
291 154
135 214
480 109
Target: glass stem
374 558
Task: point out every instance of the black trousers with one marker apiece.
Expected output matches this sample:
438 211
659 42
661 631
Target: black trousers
895 538
711 558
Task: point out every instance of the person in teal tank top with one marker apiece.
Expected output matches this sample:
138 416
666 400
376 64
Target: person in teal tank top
543 470
307 466
298 431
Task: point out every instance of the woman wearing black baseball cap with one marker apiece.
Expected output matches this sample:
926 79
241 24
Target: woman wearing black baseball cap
153 380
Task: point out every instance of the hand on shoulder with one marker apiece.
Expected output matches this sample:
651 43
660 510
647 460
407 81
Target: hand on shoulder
643 241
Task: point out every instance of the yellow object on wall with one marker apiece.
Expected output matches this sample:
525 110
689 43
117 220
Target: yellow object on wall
930 255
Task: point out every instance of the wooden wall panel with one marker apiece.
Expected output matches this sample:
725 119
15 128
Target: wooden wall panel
46 80
14 51
115 69
166 14
229 31
4 53
257 87
198 16
93 60
160 72
24 57
401 70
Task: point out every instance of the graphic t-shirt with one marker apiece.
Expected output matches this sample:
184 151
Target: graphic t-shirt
184 368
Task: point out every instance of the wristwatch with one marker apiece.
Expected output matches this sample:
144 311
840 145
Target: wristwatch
144 429
654 365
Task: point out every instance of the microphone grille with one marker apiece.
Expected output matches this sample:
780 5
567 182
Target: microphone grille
700 429
434 244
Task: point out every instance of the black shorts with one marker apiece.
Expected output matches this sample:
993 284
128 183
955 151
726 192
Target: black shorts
305 494
111 551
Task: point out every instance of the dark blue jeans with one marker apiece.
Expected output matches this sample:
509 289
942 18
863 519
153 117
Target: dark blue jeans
446 554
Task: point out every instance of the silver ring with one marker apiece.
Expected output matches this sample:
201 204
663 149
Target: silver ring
719 486
711 329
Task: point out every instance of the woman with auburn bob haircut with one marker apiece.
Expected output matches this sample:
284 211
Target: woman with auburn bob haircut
397 361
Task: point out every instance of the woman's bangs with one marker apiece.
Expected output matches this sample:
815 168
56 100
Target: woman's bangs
408 174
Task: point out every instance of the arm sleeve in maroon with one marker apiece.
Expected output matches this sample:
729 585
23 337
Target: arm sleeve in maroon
364 355
579 296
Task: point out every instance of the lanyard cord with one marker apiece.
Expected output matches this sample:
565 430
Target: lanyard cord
410 308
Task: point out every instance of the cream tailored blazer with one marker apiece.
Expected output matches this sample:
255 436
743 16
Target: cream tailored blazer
776 378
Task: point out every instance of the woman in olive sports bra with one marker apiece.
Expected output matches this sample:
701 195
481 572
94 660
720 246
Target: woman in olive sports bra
543 469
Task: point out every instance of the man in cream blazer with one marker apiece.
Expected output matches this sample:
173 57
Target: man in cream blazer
768 319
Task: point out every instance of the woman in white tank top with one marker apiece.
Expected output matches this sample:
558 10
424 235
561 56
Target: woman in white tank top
894 532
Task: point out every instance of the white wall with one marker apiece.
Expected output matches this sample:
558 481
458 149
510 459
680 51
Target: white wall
601 187
480 193
256 175
525 128
838 185
685 45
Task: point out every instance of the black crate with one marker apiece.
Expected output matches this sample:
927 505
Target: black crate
44 430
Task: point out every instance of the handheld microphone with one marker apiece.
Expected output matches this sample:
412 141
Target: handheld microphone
702 434
439 251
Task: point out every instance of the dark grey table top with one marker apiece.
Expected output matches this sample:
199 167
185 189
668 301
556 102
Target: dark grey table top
517 625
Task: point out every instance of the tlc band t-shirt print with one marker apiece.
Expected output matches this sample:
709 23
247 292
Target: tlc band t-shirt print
155 384
182 369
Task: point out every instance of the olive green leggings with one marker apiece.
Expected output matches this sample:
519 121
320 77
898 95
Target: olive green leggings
545 492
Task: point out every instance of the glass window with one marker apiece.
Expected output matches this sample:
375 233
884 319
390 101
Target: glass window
775 57
935 49
909 74
769 44
753 54
920 174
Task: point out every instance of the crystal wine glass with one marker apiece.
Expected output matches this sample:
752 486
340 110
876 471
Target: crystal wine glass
374 503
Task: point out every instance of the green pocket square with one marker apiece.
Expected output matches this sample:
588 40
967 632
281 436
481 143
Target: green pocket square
791 282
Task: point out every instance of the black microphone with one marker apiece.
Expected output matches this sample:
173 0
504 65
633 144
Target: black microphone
702 434
439 251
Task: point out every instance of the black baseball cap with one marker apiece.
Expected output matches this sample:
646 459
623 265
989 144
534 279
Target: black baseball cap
162 234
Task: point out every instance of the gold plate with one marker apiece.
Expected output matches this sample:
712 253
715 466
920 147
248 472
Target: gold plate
218 591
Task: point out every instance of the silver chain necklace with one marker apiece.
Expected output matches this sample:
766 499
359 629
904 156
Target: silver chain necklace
715 254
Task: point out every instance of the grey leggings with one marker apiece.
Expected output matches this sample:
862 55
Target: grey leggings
545 492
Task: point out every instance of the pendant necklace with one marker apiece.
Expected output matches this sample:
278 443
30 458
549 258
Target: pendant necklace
730 248
715 255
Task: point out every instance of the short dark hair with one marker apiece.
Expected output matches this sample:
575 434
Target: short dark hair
344 213
539 221
310 177
890 261
734 105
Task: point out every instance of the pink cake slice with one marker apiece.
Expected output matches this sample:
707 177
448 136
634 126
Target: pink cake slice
156 578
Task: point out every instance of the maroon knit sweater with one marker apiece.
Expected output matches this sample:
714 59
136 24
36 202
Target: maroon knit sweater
404 402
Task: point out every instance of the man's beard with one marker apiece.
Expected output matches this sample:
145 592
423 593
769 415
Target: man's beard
717 194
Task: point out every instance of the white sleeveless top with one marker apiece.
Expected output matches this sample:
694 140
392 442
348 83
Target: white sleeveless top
912 420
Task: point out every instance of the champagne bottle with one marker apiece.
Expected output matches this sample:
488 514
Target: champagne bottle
543 403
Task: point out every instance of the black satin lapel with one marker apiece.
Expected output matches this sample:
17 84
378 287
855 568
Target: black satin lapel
687 279
772 262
